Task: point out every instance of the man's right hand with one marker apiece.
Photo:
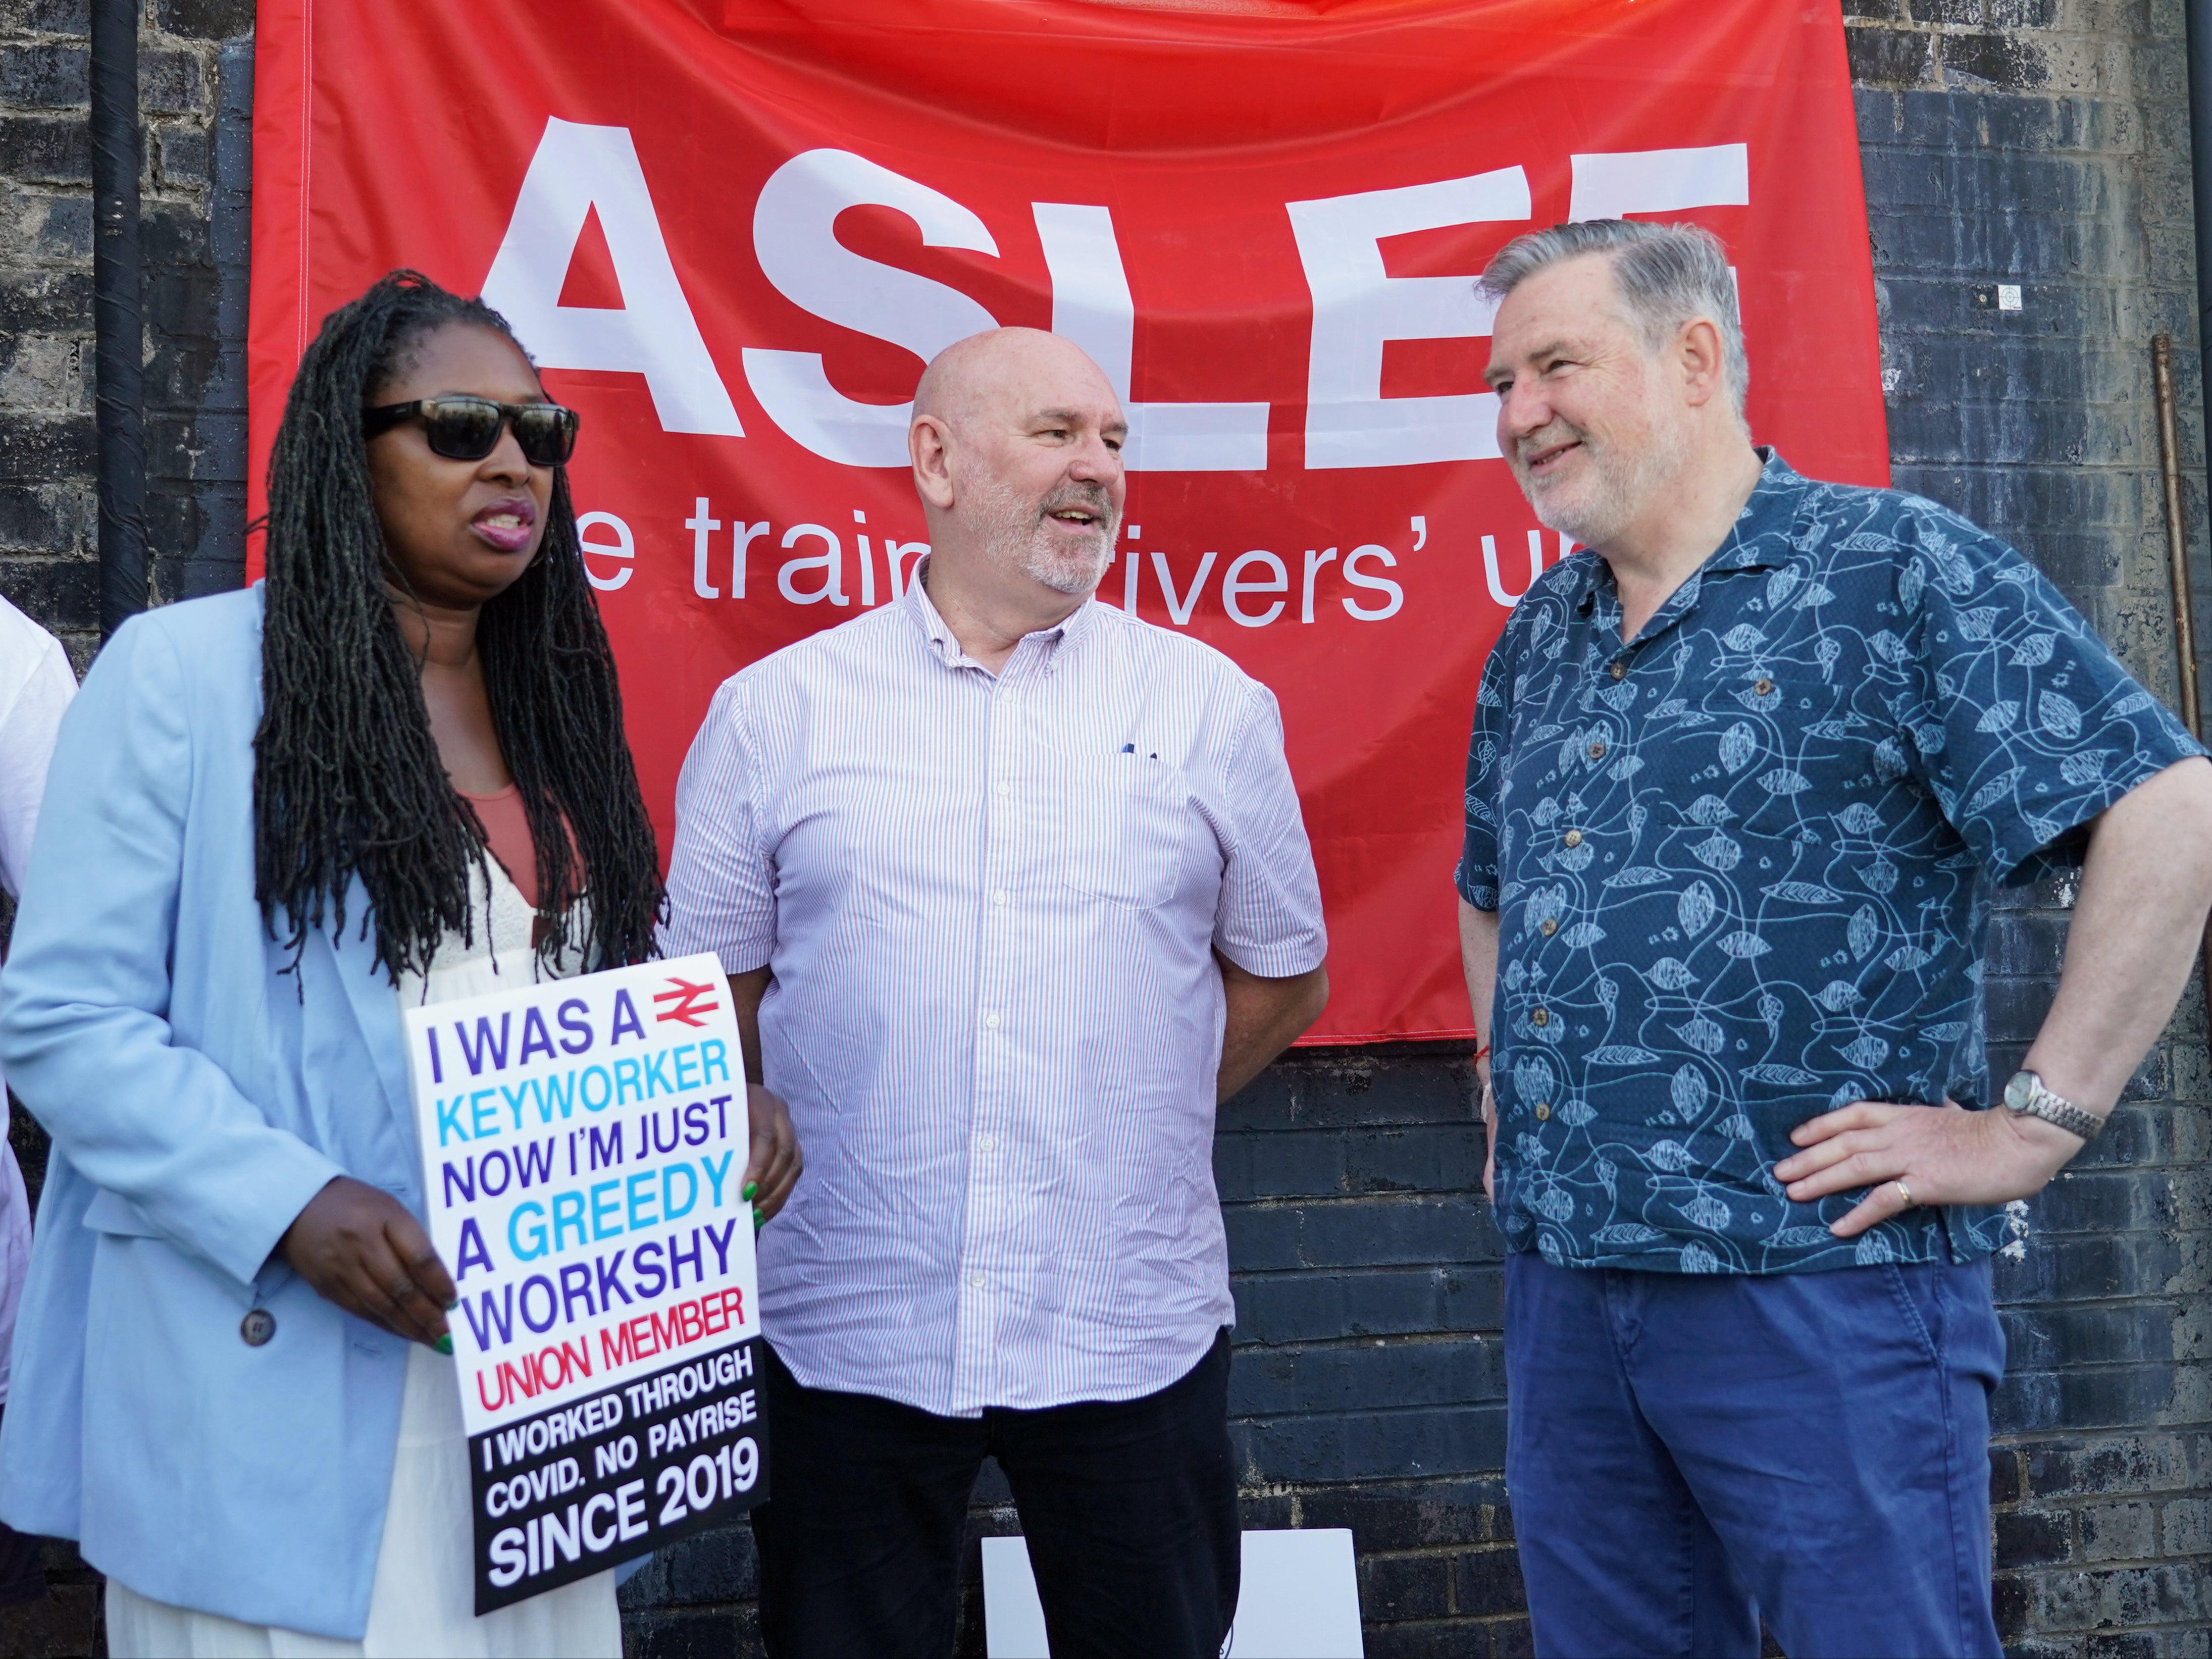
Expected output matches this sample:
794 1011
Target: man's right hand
363 1250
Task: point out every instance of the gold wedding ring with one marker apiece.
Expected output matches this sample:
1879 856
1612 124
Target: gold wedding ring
1905 1193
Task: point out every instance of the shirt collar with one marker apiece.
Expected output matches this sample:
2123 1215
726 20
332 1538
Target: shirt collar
946 644
1762 537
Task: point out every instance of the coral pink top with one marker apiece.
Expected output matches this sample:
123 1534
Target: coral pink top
506 828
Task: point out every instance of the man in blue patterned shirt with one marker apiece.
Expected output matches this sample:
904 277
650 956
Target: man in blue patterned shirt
1742 775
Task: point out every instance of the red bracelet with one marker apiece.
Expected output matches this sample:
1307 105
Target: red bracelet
1483 1053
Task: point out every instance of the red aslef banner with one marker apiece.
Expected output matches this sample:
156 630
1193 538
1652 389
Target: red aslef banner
732 233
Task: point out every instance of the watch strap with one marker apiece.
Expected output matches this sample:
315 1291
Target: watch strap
2051 1108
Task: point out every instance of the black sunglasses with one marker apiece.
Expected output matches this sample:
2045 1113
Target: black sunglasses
468 429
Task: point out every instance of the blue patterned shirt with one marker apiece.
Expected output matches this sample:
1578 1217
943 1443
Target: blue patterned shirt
1742 864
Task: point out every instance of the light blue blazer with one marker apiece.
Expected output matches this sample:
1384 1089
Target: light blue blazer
198 1094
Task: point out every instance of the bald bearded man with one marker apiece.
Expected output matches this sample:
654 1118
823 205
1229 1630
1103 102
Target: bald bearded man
1013 890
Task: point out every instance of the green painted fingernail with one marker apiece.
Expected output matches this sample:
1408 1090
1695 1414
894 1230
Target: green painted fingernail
444 1344
752 1187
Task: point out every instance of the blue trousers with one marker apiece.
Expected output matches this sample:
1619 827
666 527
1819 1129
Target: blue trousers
1685 1452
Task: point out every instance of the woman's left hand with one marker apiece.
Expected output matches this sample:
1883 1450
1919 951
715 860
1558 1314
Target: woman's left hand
772 1166
1944 1154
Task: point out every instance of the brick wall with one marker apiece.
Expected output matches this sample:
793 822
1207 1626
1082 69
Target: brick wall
2042 142
2045 143
194 304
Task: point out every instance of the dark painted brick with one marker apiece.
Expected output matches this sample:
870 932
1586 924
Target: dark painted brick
205 19
710 1568
1386 1230
2117 1596
1489 1581
1278 1164
1357 1376
47 17
170 82
2091 1397
1376 1445
1426 1639
1364 1091
43 303
2146 1462
45 76
2096 1201
39 517
60 594
2082 1268
2040 1335
2028 1539
1889 58
1412 1515
40 448
1405 1587
705 1635
45 149
2005 1481
2003 60
1265 1103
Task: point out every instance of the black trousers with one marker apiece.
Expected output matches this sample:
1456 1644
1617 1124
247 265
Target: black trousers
1129 1509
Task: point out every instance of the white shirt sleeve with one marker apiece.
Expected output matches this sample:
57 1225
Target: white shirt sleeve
27 727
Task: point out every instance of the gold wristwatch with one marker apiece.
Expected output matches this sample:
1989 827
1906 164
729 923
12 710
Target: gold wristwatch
2027 1095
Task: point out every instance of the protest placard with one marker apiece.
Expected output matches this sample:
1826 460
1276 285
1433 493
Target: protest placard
584 1145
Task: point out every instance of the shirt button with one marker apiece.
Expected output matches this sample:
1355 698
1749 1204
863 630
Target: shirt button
1549 926
991 1021
1574 837
1005 788
1541 1017
984 1143
257 1327
1762 685
976 1279
1597 751
1543 1110
1618 670
998 897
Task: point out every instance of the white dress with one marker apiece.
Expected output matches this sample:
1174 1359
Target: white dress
422 1605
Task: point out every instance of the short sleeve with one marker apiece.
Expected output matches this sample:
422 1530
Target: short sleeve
1268 920
2020 720
721 875
1477 875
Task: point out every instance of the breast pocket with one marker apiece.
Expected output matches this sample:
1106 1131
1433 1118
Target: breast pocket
1121 830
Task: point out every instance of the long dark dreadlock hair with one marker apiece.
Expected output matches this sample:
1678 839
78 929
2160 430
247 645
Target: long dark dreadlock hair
346 777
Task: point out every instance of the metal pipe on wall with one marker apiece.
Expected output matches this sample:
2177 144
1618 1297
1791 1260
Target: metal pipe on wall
118 330
2198 14
2176 540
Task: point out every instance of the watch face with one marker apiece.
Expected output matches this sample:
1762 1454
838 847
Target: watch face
2019 1092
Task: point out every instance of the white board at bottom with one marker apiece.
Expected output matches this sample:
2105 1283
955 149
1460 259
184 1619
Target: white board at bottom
1300 1599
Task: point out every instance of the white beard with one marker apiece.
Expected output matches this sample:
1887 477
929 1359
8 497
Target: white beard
1011 531
1619 485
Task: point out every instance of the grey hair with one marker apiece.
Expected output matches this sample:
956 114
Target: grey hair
1667 276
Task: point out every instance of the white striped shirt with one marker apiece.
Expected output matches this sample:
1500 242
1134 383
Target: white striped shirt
991 904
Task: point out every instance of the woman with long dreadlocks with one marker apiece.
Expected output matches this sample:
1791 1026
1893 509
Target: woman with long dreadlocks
393 772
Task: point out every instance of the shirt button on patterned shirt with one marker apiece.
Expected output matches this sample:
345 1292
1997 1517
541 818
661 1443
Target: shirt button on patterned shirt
1541 1017
1762 686
1618 670
1549 926
1573 838
1543 1110
1597 751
